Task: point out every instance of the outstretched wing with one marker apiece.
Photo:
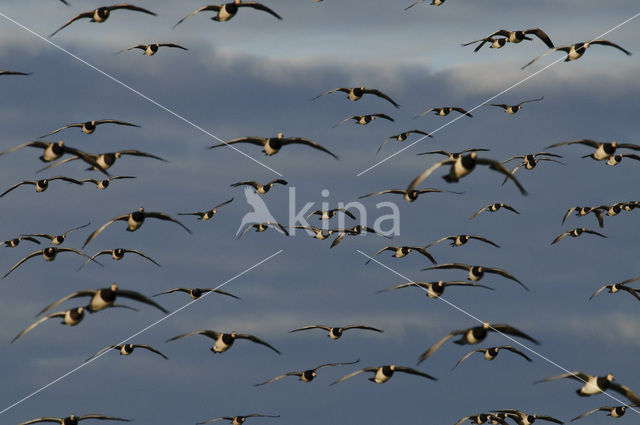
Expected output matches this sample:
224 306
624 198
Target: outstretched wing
342 89
424 356
99 230
205 332
202 9
165 217
310 143
259 6
416 182
352 374
33 254
33 325
257 341
378 93
608 43
414 372
72 20
86 293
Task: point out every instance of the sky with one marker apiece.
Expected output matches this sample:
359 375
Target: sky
256 76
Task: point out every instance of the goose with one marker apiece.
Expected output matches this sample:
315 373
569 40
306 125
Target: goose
512 109
58 239
126 349
592 384
620 286
409 195
336 332
206 215
492 352
151 49
617 158
272 145
52 150
88 127
574 233
582 211
305 375
461 167
522 418
73 419
401 137
104 183
261 227
316 232
481 418
382 374
365 119
434 289
614 411
433 3
101 14
117 254
196 293
454 155
444 111
518 36
237 420
496 43
403 251
459 240
327 214
356 93
12 243
14 73
227 11
49 254
134 220
353 231
224 341
530 161
575 51
603 151
261 189
69 317
475 335
41 185
476 272
493 208
103 161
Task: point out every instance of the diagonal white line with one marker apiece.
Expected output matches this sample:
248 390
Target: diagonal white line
490 99
543 357
142 95
138 333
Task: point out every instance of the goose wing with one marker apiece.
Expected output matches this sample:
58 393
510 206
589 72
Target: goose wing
124 217
475 214
172 45
33 421
60 129
600 290
542 36
33 325
259 6
529 101
102 417
504 273
258 141
72 20
385 116
133 295
33 254
462 111
213 7
480 350
510 330
165 217
625 391
560 237
143 255
555 49
424 356
257 341
352 374
150 348
77 294
342 89
107 348
205 332
279 377
518 352
326 328
496 166
485 240
424 252
411 371
307 142
605 408
416 182
369 328
15 186
608 43
378 93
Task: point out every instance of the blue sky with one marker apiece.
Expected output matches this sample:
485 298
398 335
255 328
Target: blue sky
255 76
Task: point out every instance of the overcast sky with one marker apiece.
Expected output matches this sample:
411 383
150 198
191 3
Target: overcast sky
256 76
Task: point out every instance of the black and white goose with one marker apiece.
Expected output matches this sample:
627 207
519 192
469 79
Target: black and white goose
454 155
104 298
401 137
237 420
57 239
365 119
493 208
261 189
336 332
224 341
574 233
305 375
592 384
617 158
126 349
69 317
261 227
433 3
409 195
353 231
41 185
12 243
575 51
496 43
73 419
603 151
512 109
443 111
206 215
49 254
481 418
530 161
518 36
118 254
522 418
14 73
582 211
51 150
316 232
151 49
461 167
104 183
356 93
475 335
103 161
492 352
382 374
88 127
613 411
620 286
226 11
403 251
272 145
196 293
434 289
459 240
134 220
101 14
328 214
477 272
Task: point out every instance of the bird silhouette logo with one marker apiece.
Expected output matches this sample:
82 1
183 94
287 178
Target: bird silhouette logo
260 213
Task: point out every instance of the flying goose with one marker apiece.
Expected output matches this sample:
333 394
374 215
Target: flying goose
401 137
227 11
196 293
602 150
41 185
305 375
104 183
336 332
365 119
459 240
476 272
151 49
206 215
49 254
272 145
575 51
574 233
512 109
454 155
224 341
614 411
496 43
70 317
530 161
353 231
621 286
261 189
126 349
409 195
134 220
382 374
101 14
493 208
261 227
12 243
444 111
356 93
518 36
617 158
103 161
237 420
57 239
522 418
117 254
73 419
327 214
88 127
434 289
592 384
475 335
51 150
403 251
582 211
492 352
316 232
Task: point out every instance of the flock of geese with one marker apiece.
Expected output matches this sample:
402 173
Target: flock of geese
457 165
